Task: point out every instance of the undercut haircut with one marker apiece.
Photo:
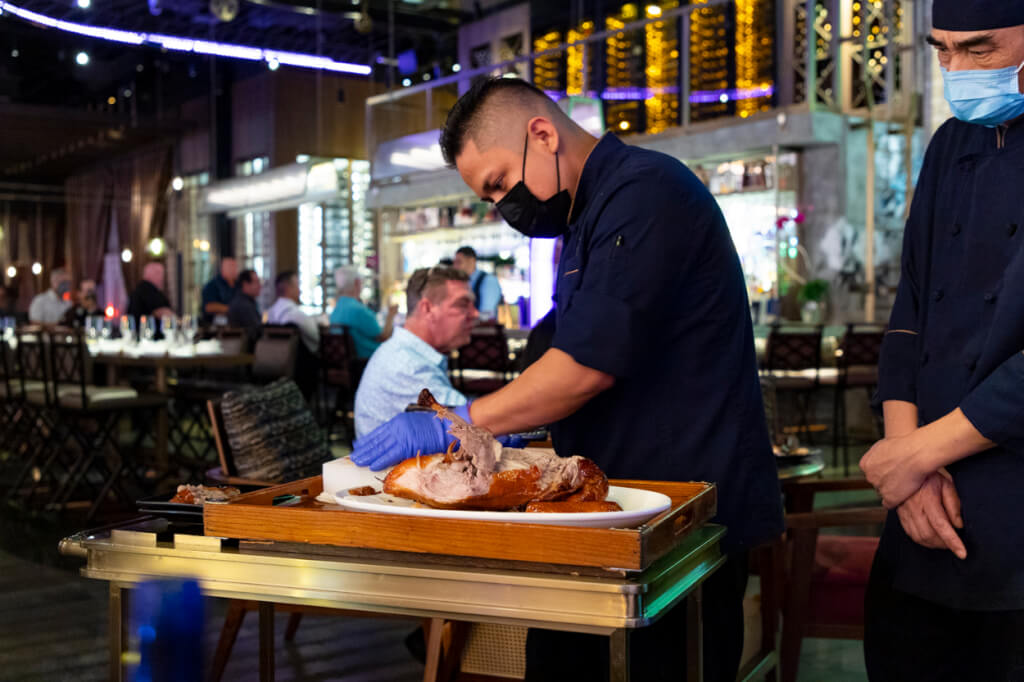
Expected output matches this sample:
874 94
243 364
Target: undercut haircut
473 117
430 283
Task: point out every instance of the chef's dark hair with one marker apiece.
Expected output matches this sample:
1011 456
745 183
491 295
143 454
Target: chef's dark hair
464 119
424 283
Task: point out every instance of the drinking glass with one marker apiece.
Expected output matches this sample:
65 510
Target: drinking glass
129 331
189 328
93 328
147 328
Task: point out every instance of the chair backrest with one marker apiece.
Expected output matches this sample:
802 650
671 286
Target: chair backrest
220 438
233 340
771 408
7 366
793 349
487 350
275 353
69 361
337 356
860 346
31 356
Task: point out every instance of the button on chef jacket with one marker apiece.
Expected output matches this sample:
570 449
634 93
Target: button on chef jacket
650 290
955 340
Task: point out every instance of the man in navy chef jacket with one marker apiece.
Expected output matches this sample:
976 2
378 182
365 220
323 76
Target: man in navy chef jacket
651 373
946 595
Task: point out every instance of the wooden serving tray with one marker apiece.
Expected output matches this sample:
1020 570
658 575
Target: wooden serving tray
253 516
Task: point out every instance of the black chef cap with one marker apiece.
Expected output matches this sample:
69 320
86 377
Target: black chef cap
976 15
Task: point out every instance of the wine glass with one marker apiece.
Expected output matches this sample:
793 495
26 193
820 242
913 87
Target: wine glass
147 328
93 329
129 331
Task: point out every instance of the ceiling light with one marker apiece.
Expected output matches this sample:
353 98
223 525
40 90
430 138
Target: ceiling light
272 64
426 76
82 58
37 268
12 271
126 255
156 247
653 11
111 100
301 158
406 82
177 184
186 44
15 53
83 4
127 93
456 68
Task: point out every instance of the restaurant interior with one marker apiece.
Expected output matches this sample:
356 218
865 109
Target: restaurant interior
193 197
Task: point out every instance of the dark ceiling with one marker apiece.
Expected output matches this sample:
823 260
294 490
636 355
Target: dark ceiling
57 114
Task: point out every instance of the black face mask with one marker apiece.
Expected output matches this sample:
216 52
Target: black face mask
530 215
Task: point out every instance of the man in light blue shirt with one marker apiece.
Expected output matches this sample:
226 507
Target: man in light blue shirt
350 312
440 318
484 285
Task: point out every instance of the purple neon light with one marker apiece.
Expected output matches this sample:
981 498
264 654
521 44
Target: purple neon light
637 93
707 96
179 44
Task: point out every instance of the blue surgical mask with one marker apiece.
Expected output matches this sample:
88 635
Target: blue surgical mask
984 97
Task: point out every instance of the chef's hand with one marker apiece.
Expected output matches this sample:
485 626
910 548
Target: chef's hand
894 468
930 515
409 433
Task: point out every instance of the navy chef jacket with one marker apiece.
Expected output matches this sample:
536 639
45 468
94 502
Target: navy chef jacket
955 340
650 290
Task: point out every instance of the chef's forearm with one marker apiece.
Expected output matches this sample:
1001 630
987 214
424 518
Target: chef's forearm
948 440
900 418
550 389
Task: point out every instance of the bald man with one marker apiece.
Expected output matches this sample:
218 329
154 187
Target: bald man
149 297
651 371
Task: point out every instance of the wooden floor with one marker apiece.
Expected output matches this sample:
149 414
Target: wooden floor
53 625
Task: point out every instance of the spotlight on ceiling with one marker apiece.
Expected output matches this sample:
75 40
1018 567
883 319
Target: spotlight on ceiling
12 271
126 255
37 268
177 184
83 4
272 64
82 58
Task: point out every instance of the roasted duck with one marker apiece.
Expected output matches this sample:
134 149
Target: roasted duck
481 474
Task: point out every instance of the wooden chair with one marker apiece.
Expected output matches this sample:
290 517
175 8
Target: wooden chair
827 574
793 360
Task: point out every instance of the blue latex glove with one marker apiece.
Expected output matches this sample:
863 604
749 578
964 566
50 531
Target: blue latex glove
403 436
408 433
